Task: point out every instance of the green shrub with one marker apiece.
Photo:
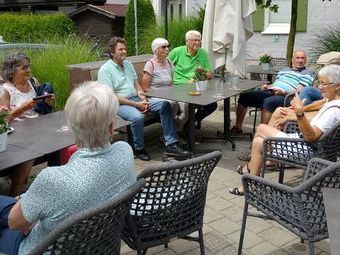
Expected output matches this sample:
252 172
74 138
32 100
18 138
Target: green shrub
328 40
145 19
49 65
177 31
34 28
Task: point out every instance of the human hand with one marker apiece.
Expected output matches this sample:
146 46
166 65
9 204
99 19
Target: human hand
3 108
298 104
29 104
283 111
141 95
265 86
279 124
142 106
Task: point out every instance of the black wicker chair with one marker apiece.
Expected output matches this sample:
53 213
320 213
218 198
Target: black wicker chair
299 209
171 204
92 231
298 152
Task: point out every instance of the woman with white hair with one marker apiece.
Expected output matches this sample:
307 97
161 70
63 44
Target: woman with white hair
327 118
96 172
158 71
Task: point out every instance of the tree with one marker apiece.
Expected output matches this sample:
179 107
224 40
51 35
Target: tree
145 18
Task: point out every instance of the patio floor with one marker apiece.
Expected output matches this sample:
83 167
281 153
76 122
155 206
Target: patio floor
223 212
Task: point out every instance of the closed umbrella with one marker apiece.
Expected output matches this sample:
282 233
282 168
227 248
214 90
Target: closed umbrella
227 27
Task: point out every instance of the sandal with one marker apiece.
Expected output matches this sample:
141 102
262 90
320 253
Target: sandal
240 169
236 131
236 191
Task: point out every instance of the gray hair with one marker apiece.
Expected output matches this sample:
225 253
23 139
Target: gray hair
11 63
332 72
90 111
158 42
192 33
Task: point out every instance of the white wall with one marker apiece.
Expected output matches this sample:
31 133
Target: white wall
192 6
320 16
117 1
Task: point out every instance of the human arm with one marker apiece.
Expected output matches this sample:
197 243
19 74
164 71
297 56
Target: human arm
17 220
310 133
315 106
145 84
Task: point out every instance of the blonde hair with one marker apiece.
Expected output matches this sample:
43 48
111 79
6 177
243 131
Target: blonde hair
90 111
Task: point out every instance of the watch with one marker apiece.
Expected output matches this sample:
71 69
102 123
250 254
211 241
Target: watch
299 115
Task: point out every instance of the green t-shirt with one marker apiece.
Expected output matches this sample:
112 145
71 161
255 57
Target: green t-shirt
185 65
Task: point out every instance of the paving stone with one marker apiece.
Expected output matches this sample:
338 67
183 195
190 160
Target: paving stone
266 248
234 212
250 239
257 225
211 215
218 203
197 252
272 235
298 248
215 242
180 246
225 226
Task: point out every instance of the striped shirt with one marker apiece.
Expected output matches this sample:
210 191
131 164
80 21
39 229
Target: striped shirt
288 79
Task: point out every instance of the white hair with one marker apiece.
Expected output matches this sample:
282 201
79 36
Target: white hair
192 33
332 72
91 110
158 42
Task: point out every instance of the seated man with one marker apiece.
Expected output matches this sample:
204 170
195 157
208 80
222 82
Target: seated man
120 75
288 80
186 60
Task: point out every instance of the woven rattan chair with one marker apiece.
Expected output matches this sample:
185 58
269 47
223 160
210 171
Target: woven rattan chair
171 204
92 231
298 152
299 209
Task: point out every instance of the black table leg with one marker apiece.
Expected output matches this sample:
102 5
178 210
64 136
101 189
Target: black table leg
191 133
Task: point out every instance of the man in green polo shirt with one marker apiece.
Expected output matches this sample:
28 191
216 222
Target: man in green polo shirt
186 60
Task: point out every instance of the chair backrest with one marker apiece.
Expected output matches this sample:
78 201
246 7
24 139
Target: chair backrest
171 203
328 145
279 62
95 230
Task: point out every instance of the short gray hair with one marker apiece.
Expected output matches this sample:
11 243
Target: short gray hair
192 33
90 111
332 72
11 63
158 42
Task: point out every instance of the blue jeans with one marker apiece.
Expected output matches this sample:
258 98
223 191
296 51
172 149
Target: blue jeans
159 106
311 94
9 239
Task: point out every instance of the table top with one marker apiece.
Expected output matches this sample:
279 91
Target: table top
331 199
258 69
180 92
34 138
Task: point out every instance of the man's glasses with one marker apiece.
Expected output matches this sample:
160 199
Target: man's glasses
165 46
25 67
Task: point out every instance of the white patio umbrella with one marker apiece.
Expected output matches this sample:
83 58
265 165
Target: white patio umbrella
226 29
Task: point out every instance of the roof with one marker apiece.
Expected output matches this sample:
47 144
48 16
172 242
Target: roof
21 3
108 10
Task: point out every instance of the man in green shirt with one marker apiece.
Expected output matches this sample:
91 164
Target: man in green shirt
186 60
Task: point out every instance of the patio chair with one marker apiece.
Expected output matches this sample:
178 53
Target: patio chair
92 231
171 204
299 209
298 152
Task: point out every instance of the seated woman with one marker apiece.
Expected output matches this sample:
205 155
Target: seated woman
324 120
158 71
96 172
17 96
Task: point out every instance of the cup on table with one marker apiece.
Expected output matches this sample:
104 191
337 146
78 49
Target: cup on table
63 126
234 82
218 88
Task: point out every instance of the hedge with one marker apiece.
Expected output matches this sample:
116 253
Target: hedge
34 28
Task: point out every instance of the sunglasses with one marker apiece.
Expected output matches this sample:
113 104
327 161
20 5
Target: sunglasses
165 46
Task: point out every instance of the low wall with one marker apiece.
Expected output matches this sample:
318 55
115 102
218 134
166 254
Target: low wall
88 71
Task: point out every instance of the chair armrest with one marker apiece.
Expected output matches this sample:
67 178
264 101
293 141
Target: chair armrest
291 127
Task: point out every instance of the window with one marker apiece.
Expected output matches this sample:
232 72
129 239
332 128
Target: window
177 8
269 22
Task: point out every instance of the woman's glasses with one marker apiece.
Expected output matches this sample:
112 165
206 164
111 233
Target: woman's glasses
165 46
25 67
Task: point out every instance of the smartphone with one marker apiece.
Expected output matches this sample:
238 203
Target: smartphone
43 97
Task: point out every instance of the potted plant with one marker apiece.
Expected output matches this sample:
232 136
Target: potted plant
3 130
265 61
201 79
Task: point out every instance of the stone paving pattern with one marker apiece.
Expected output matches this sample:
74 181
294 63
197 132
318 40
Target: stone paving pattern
223 211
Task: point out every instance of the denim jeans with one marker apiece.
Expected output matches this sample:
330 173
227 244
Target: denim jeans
9 239
161 107
311 94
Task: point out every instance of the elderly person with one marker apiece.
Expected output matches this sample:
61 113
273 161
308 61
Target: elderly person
120 75
269 97
96 172
158 71
186 60
327 117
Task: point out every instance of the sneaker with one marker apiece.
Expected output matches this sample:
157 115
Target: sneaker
176 149
142 155
236 131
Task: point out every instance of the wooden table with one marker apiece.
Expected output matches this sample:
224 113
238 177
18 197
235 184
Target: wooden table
38 137
331 198
180 93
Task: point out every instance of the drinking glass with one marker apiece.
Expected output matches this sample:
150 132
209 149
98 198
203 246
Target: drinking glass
234 82
63 127
218 84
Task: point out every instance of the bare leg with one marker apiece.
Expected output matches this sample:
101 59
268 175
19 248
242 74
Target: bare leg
265 116
19 177
240 114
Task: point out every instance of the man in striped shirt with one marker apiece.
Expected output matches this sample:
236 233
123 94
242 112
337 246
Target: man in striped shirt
270 96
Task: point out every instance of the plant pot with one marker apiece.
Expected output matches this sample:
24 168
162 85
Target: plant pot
3 141
265 66
201 85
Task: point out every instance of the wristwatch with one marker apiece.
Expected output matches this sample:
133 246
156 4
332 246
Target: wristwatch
299 115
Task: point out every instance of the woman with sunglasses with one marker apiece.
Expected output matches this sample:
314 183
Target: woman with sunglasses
158 71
